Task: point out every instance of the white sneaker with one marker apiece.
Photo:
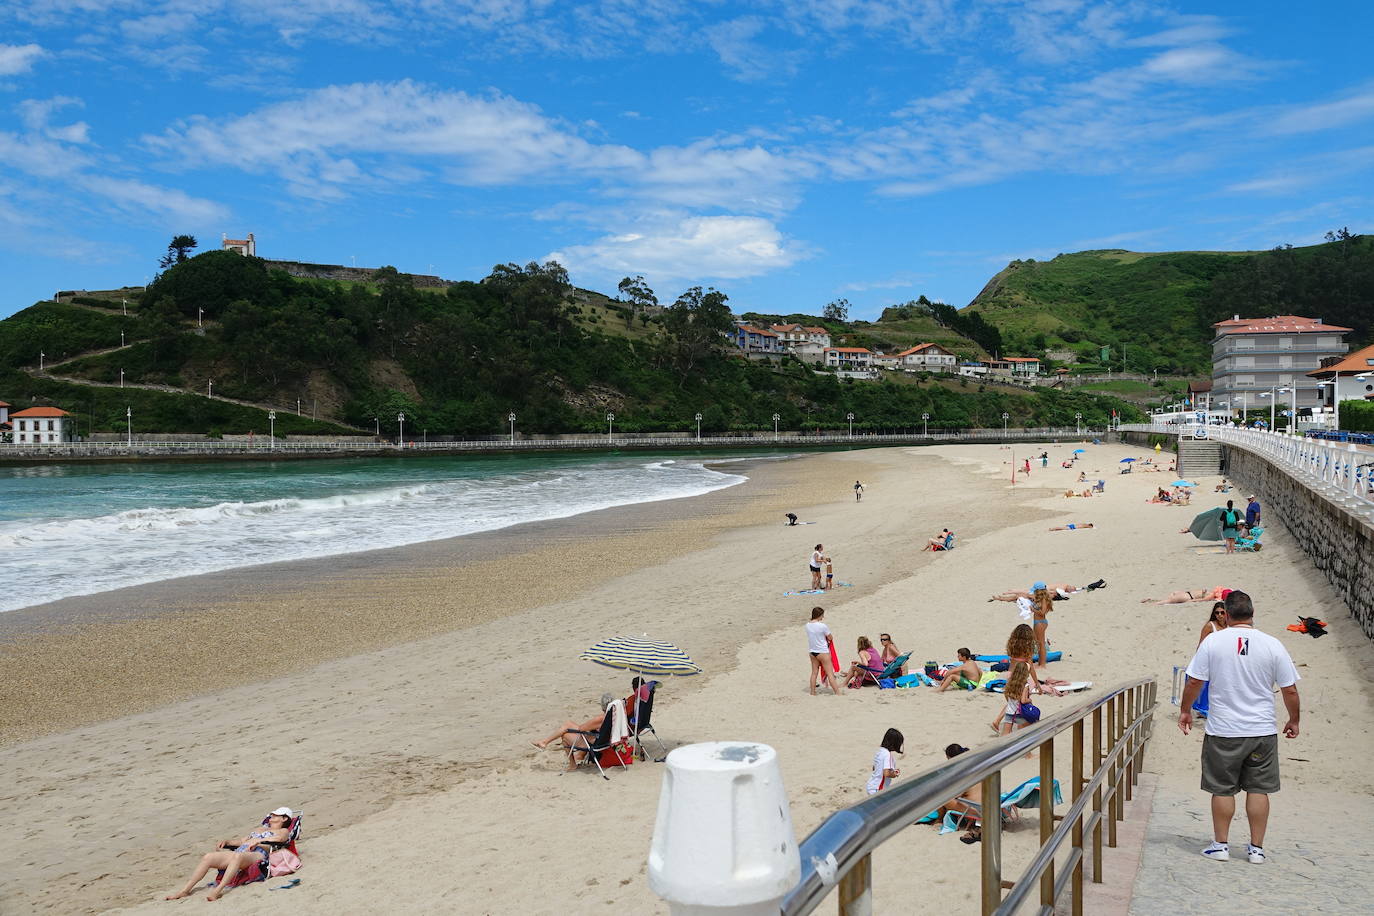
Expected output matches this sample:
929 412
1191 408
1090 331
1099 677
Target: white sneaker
1219 851
1254 853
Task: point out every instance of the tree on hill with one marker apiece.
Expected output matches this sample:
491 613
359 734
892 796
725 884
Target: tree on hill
838 310
696 322
210 281
177 250
639 295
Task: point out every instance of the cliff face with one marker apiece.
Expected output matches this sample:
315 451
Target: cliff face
354 274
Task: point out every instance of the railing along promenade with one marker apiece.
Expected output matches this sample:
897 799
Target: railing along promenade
264 447
1342 473
1120 721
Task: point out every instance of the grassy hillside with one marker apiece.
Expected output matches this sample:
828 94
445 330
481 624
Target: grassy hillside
521 340
1155 311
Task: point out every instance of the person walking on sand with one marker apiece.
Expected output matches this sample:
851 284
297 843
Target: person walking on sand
858 492
818 639
1240 745
1230 523
817 561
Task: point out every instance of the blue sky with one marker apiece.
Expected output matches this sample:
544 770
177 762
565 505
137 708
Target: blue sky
788 153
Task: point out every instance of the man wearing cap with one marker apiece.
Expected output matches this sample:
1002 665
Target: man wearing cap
1252 511
1240 750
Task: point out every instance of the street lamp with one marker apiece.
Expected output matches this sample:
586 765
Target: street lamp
1293 412
298 407
41 354
776 418
124 306
610 425
272 428
401 430
1005 416
121 338
121 378
210 388
129 419
698 419
925 424
850 418
511 417
200 314
1078 420
1270 395
377 426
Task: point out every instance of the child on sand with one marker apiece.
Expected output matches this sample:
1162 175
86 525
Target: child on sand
818 641
1016 694
829 574
884 763
968 671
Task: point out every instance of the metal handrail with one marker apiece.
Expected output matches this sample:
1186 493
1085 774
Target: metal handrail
837 851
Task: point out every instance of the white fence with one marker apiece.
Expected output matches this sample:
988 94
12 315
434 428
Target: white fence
265 447
1341 472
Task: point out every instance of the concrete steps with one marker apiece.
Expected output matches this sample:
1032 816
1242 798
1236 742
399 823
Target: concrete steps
1198 458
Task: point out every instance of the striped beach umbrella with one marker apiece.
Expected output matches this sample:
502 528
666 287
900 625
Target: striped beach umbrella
642 655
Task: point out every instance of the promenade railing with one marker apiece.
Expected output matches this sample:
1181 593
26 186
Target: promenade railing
265 446
1101 781
1342 472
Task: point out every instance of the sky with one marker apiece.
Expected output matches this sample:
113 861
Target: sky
787 153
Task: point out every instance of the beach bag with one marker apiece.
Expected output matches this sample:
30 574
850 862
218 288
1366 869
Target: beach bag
908 680
283 862
886 683
1001 666
931 668
1029 711
617 755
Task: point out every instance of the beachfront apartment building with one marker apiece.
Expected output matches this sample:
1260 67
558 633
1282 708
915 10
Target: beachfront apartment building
928 356
45 425
1349 378
754 340
849 357
1254 356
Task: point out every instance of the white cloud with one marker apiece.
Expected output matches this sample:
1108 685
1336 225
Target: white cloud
16 59
1306 118
693 248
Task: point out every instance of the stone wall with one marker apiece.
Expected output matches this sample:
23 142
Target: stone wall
1340 542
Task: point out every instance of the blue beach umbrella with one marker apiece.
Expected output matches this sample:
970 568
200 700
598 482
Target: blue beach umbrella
1126 460
1079 451
1182 483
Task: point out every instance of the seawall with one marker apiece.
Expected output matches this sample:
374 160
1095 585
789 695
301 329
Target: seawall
1339 541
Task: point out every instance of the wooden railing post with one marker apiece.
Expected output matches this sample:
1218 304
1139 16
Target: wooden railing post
1118 797
1112 767
1097 796
1077 838
1046 817
856 889
992 843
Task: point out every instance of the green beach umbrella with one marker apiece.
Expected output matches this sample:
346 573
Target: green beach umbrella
1206 526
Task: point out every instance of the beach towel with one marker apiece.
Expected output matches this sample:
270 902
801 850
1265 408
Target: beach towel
1309 625
1054 656
916 679
1026 795
1026 608
834 658
797 593
620 727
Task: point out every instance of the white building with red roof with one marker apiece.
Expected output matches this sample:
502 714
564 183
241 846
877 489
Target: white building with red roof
796 335
928 356
1254 355
1348 378
849 357
45 425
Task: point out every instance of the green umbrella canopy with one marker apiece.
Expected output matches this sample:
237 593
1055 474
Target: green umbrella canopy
1207 525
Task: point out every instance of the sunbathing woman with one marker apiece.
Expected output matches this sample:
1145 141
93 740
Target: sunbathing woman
566 731
235 856
1073 526
1056 588
1184 595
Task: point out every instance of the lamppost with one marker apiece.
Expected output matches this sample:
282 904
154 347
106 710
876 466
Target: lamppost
129 419
925 424
121 378
610 425
124 307
401 430
41 354
272 428
776 418
1293 411
698 419
1270 395
376 428
200 314
511 417
121 338
1336 401
298 407
850 418
1078 421
210 388
1005 417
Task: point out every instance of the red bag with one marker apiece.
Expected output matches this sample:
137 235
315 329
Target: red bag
617 755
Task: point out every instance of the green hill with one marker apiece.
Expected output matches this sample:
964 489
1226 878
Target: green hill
521 340
1155 311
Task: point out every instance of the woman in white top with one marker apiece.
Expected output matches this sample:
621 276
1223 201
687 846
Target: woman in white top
1215 621
818 642
884 763
817 559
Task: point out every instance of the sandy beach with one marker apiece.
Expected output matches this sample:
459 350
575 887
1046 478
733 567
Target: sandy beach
393 695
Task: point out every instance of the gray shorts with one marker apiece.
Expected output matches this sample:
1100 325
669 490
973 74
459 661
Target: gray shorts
1230 765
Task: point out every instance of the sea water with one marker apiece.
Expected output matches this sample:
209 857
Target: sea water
77 529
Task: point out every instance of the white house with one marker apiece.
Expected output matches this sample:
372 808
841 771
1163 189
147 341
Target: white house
886 361
973 370
248 246
42 424
849 357
1023 366
809 352
1352 375
795 335
928 356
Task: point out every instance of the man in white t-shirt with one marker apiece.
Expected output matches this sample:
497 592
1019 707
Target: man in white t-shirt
1240 749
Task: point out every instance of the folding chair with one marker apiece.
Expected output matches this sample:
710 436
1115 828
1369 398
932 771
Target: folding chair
872 674
591 744
258 872
947 545
644 723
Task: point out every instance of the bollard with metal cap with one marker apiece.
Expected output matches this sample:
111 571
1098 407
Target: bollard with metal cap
723 839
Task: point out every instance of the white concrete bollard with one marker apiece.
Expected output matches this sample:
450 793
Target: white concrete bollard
723 840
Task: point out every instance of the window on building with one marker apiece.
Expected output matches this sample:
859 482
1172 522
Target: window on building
1245 343
23 437
22 426
1285 343
50 426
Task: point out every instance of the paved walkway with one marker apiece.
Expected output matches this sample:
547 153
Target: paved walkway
1319 858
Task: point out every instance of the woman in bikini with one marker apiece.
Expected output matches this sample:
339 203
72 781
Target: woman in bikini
234 856
1041 605
1215 621
1020 647
1183 596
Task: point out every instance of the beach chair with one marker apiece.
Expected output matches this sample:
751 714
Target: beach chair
1252 542
947 545
1100 486
867 675
645 724
256 872
1026 795
591 744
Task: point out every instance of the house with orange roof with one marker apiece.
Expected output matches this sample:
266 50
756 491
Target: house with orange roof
1023 366
754 340
248 246
45 425
928 356
1254 355
791 336
849 357
1348 378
